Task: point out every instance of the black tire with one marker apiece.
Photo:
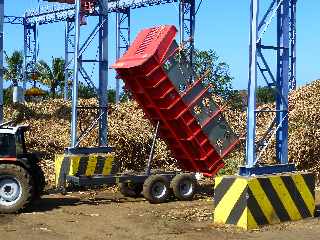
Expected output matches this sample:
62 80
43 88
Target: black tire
39 179
156 189
130 189
184 186
19 182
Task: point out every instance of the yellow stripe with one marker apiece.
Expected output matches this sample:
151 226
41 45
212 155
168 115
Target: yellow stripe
74 166
230 198
108 165
252 224
285 198
58 159
243 221
263 201
91 166
217 181
304 192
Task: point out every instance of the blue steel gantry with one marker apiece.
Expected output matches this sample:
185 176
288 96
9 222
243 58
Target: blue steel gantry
284 11
74 50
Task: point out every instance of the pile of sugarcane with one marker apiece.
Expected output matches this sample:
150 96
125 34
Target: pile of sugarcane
130 133
304 131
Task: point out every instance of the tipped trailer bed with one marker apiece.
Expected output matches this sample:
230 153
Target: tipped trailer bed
163 83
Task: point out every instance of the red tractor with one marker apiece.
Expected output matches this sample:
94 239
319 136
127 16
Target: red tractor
21 178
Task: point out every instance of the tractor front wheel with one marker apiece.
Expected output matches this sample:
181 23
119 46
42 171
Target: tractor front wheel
16 188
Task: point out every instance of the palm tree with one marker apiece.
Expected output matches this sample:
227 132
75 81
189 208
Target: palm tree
51 76
13 71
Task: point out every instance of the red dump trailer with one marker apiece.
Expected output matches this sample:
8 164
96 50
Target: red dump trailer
178 104
161 80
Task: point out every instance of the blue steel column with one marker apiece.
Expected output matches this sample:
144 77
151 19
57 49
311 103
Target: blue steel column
69 53
251 114
30 50
1 58
283 39
118 16
75 76
122 39
103 73
181 21
293 56
25 52
187 19
66 60
192 29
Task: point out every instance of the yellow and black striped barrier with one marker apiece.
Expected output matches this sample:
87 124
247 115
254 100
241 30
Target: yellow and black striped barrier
82 165
250 202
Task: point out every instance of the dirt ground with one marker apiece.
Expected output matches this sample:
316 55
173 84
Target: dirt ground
107 215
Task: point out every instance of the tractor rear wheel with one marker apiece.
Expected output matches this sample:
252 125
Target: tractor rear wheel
16 188
39 179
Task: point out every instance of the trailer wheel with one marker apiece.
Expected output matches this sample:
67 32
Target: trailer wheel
184 186
130 189
16 188
156 189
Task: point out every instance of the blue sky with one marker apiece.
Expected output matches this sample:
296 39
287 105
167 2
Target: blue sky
221 25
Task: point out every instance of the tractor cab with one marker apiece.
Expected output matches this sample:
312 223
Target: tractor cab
12 142
21 178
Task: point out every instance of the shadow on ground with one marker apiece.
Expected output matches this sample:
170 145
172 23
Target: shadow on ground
55 200
51 202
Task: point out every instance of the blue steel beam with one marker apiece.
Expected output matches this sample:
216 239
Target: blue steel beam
76 60
187 20
293 53
69 53
252 86
103 73
14 20
30 51
283 62
116 6
1 58
102 29
49 14
52 13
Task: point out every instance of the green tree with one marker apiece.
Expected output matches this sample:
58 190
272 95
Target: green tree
111 96
86 92
235 100
51 76
265 95
218 72
13 71
7 95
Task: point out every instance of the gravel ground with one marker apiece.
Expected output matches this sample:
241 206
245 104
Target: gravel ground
107 215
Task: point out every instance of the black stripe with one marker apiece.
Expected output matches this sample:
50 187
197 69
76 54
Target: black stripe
83 164
310 181
100 165
64 170
238 208
274 199
296 196
255 209
222 188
